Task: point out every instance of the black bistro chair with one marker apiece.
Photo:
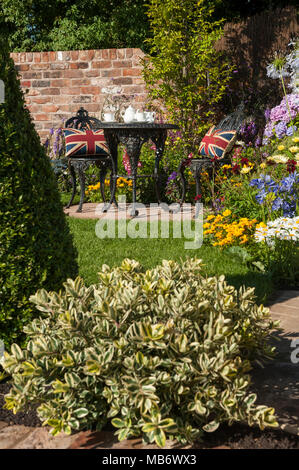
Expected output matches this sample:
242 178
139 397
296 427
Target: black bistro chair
199 165
79 164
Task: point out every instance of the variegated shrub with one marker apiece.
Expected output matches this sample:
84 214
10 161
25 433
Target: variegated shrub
161 352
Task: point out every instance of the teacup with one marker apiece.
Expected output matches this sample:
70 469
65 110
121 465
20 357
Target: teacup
109 116
140 116
150 116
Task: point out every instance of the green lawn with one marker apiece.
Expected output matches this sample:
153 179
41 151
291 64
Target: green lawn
93 252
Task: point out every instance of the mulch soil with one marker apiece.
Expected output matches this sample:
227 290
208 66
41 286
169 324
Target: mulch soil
234 437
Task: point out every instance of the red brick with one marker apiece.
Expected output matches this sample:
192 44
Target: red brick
50 108
111 73
30 75
133 89
121 53
98 54
50 91
52 56
22 67
82 99
45 57
73 73
129 53
61 82
122 63
15 56
62 99
41 117
92 73
26 83
105 53
90 90
33 92
86 55
41 83
122 81
113 54
29 57
22 56
79 65
93 108
132 72
74 55
70 91
40 100
36 57
53 74
80 82
59 66
102 64
39 66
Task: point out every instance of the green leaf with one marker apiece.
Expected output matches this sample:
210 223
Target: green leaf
80 413
118 423
211 427
160 437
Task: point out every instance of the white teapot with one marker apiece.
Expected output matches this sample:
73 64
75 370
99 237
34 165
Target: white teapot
129 114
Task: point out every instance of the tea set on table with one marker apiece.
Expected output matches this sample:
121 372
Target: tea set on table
130 115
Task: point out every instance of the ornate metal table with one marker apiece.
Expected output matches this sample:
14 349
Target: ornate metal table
133 136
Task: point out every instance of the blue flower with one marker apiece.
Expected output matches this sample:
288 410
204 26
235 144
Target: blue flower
291 130
261 196
277 203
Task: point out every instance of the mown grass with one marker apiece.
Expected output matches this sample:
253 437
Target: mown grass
93 252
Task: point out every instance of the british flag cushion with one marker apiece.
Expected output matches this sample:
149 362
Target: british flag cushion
217 142
84 143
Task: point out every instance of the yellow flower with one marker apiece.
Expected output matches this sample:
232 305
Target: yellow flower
263 165
295 139
281 147
297 157
210 217
294 149
279 158
245 169
226 213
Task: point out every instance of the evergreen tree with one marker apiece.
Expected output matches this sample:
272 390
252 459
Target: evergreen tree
36 248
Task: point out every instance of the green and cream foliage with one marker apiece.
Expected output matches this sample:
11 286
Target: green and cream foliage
162 352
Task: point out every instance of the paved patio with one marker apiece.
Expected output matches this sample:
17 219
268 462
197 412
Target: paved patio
277 385
154 212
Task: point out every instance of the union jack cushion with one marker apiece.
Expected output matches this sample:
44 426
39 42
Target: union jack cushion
83 143
216 142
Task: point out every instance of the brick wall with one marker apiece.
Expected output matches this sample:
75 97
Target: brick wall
57 84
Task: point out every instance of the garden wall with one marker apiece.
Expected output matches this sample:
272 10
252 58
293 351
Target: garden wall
57 84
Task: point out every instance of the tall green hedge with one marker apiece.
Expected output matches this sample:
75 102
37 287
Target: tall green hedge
36 247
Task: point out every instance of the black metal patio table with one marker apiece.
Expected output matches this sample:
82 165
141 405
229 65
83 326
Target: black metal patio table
133 136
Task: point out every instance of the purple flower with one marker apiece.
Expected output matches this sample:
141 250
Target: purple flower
172 176
52 131
281 129
267 114
290 130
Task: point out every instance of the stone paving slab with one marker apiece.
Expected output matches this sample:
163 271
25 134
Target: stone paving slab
277 384
94 211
